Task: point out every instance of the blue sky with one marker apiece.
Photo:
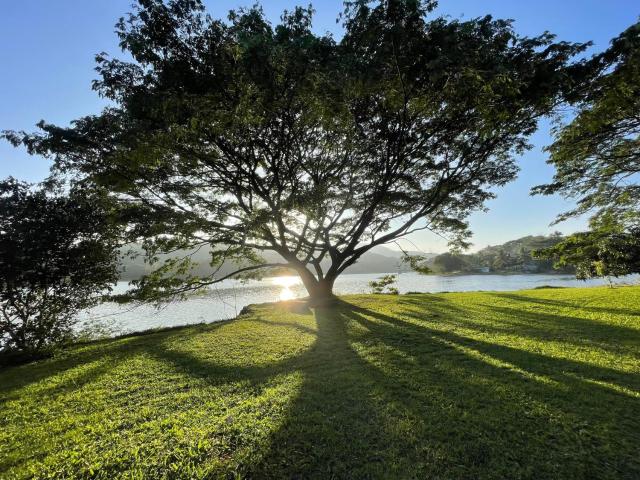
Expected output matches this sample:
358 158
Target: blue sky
46 67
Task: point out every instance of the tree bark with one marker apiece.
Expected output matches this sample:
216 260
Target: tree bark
320 291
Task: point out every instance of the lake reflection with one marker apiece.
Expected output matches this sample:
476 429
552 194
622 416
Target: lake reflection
286 283
226 299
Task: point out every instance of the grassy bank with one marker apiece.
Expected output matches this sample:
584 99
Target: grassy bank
531 384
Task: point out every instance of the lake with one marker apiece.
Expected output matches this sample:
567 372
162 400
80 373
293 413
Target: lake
226 299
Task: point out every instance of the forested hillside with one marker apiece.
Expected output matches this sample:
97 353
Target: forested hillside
515 256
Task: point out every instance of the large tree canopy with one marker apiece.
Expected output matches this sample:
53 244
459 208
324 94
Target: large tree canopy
597 161
243 137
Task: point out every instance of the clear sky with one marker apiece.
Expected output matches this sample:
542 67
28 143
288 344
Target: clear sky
46 67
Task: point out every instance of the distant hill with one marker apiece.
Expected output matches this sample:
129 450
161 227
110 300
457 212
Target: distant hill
514 256
511 257
379 260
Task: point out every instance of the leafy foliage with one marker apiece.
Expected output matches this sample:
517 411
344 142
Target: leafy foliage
597 161
57 254
242 136
385 284
597 155
607 250
417 262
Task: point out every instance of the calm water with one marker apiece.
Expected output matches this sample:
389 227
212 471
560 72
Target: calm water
227 298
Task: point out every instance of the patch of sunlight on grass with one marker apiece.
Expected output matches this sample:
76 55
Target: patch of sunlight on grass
610 385
500 363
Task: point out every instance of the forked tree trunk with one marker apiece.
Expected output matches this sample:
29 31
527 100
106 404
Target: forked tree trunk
320 291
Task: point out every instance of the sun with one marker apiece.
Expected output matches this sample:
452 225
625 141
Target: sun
286 294
286 282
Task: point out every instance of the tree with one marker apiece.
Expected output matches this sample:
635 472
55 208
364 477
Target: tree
57 255
524 256
449 262
242 137
501 261
607 250
597 161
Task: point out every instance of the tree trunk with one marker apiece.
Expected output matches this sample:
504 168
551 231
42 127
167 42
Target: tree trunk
320 291
323 294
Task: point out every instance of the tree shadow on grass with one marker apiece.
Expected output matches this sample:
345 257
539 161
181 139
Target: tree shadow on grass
566 304
383 397
404 395
442 404
564 371
78 367
332 427
535 325
566 328
80 364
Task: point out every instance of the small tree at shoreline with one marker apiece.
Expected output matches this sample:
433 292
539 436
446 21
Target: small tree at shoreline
385 284
242 137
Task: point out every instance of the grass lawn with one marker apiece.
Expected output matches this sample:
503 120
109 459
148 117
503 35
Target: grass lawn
532 384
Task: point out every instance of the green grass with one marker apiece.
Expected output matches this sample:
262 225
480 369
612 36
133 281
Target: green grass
532 384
